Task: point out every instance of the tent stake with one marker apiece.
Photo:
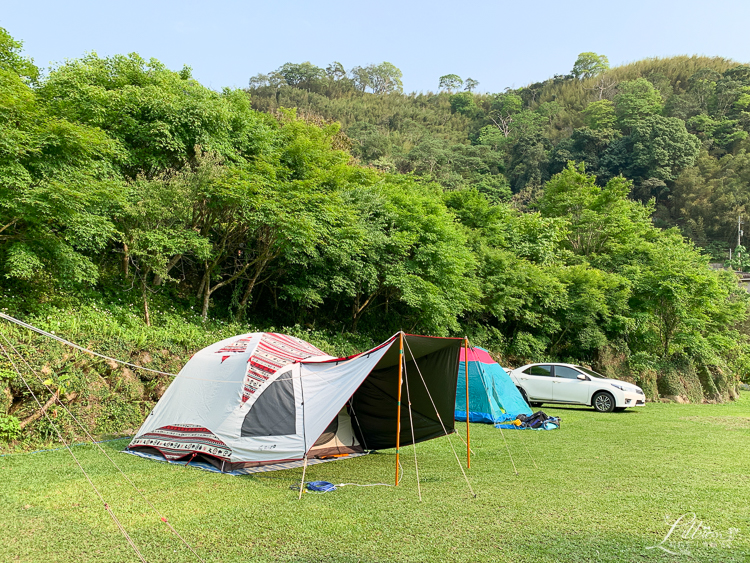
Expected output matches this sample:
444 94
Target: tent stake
466 377
398 404
302 483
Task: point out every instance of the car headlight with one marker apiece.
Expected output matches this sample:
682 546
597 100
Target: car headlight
639 390
620 387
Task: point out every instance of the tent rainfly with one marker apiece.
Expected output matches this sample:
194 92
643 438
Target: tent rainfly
264 401
493 398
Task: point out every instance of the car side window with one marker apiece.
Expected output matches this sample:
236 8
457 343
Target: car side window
566 372
540 370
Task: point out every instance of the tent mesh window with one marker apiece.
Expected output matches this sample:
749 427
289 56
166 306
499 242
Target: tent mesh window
273 413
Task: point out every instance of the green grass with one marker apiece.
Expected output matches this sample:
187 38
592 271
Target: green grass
607 487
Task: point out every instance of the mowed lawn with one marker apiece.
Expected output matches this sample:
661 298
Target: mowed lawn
607 487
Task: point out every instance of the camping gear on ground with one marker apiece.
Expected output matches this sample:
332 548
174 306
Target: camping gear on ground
266 401
537 421
493 397
320 486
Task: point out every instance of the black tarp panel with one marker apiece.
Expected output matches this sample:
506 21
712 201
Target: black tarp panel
374 404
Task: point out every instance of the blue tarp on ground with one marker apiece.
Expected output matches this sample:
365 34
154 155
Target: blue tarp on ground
493 397
199 464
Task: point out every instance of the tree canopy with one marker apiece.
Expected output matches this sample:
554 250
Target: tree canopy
589 64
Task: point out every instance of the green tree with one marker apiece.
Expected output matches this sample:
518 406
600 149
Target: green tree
463 103
595 311
528 157
384 78
405 257
260 80
450 82
585 145
492 136
521 299
336 71
687 301
589 64
600 115
12 61
601 219
58 188
160 225
268 210
470 84
361 78
702 87
660 148
300 74
740 261
157 115
637 100
504 110
370 142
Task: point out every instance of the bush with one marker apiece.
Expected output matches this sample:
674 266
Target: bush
10 427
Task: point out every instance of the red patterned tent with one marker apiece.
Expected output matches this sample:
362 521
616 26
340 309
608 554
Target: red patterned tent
268 400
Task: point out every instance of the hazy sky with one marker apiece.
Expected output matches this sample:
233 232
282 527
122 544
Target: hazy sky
501 44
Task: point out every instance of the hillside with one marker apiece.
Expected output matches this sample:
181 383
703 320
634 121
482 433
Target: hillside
675 126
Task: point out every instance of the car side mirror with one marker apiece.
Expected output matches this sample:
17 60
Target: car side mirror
581 377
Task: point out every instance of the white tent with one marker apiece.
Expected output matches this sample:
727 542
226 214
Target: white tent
265 399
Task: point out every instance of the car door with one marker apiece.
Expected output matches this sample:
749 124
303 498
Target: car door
537 382
567 388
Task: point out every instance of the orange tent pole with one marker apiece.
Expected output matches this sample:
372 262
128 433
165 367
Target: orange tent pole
398 407
466 374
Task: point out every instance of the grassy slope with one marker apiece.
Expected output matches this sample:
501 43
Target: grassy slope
607 487
110 400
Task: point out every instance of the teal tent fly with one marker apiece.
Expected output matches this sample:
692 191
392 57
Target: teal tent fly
493 398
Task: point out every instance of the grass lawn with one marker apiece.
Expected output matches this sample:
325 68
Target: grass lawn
607 487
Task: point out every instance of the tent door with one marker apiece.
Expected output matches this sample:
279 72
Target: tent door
337 439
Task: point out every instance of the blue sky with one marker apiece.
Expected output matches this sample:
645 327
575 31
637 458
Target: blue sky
501 44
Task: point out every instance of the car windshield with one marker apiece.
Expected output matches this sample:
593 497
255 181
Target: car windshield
591 373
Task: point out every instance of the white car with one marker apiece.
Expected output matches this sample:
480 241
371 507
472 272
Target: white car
575 385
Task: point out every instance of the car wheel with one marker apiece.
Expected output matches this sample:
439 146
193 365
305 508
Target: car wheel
536 404
523 395
603 402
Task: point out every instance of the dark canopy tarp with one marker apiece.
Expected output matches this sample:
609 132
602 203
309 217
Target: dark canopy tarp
374 404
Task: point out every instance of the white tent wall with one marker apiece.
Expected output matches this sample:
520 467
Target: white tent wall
266 448
208 393
327 386
199 393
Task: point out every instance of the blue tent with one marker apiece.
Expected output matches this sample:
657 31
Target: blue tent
493 397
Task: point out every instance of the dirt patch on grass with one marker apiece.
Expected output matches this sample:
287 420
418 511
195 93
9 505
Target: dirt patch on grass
727 422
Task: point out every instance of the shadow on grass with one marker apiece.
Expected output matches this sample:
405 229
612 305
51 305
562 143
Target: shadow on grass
564 408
